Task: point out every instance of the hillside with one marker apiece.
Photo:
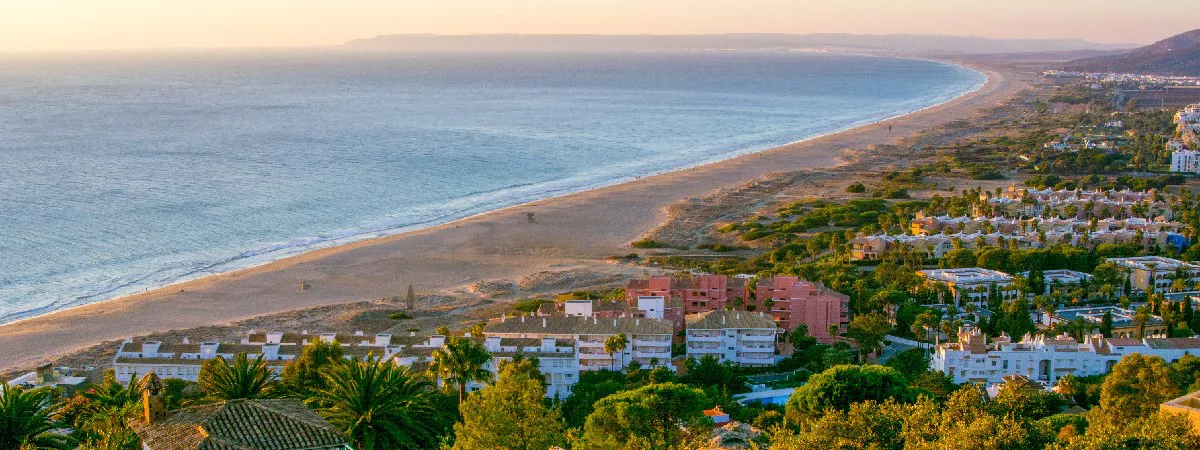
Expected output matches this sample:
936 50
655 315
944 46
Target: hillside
1176 55
903 43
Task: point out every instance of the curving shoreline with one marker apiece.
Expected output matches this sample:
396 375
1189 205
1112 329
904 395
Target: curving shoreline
572 230
184 257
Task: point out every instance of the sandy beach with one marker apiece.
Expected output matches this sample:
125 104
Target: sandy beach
576 231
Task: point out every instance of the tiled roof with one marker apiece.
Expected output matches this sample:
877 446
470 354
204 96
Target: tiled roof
279 424
712 320
578 325
1123 342
1173 343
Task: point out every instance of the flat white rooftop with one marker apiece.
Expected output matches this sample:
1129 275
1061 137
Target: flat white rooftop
1145 262
965 275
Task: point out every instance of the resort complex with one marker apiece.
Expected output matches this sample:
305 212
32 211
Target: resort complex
1014 269
977 359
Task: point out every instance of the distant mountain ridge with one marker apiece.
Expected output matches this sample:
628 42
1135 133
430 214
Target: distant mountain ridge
901 43
1176 55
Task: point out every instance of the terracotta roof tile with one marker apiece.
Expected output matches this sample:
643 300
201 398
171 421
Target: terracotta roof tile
279 424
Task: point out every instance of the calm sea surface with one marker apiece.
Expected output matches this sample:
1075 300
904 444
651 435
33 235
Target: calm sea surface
120 173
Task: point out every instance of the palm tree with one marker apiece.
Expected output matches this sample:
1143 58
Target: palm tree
379 405
244 379
100 414
461 362
614 344
25 420
111 394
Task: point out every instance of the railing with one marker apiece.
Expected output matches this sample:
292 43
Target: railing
758 338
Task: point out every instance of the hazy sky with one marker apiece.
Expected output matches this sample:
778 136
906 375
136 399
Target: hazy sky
36 25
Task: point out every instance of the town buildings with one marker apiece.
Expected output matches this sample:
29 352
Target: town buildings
1020 201
738 337
49 376
1183 160
1184 154
790 300
696 293
934 236
1151 274
1124 325
136 357
1059 278
566 346
974 285
973 360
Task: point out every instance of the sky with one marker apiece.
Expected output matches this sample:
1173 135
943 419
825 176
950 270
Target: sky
57 25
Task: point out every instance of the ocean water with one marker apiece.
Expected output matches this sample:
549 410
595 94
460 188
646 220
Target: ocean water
124 172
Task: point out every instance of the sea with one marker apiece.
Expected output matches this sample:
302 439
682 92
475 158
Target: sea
123 172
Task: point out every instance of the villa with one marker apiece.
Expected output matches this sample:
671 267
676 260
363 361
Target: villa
1046 359
1123 323
1153 274
973 284
136 357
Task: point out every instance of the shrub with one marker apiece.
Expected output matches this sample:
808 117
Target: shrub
530 305
856 188
649 243
399 316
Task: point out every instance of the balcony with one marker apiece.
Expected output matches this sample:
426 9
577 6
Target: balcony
756 361
594 356
652 342
662 356
757 338
695 338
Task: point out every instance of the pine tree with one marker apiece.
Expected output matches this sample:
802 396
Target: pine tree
1106 324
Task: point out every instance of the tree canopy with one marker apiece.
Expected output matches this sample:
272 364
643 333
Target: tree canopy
510 414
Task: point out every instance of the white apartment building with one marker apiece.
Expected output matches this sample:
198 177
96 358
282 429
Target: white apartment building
1153 274
738 337
136 357
1184 160
649 339
557 359
972 284
1046 359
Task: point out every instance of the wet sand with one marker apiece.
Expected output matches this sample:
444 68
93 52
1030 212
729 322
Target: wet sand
573 231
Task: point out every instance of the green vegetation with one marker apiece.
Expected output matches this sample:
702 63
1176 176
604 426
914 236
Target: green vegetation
399 316
459 363
656 416
530 305
26 419
510 414
379 405
243 379
649 243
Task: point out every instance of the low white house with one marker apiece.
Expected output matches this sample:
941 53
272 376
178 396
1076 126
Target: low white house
1155 273
972 284
137 357
1045 359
